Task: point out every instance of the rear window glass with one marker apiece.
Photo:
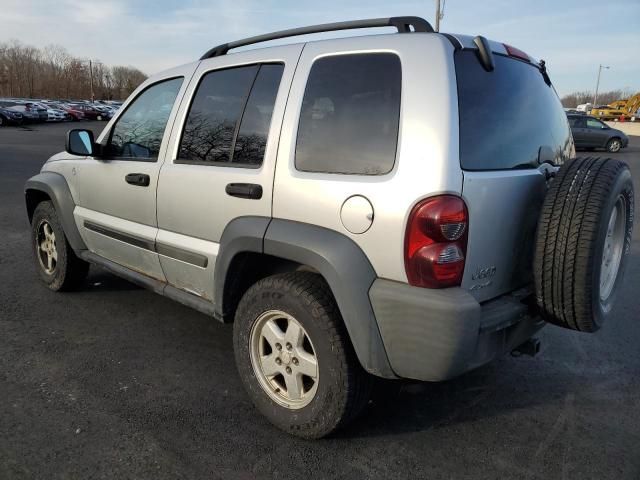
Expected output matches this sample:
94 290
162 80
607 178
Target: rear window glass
350 114
506 115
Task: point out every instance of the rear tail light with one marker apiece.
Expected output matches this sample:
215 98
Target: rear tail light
436 242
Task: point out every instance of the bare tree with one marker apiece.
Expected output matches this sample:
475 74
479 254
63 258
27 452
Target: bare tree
52 72
574 99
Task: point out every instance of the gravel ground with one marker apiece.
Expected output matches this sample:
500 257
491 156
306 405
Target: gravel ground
116 382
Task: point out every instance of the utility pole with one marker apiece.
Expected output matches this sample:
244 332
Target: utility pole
91 79
438 17
595 97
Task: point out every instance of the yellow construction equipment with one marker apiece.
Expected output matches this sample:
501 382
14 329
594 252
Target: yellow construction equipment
620 110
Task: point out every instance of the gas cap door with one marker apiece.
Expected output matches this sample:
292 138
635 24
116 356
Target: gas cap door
356 214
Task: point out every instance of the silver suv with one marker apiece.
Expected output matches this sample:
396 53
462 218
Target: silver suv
403 205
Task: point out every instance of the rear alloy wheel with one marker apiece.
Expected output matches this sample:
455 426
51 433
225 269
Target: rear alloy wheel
294 356
283 359
614 145
583 242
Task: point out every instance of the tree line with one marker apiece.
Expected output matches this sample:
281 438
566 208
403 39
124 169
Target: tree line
572 100
52 72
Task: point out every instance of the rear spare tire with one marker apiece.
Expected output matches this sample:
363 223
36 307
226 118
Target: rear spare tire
583 242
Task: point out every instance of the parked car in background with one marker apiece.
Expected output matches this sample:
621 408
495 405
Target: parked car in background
585 107
57 115
39 109
590 133
10 117
75 113
107 112
89 111
28 116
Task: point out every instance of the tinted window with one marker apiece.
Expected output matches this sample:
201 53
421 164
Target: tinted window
576 122
595 124
256 119
138 132
214 113
350 114
506 115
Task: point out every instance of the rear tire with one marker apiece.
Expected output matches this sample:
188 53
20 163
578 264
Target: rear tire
583 241
341 388
57 264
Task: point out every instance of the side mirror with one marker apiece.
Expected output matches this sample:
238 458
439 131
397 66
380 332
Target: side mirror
79 142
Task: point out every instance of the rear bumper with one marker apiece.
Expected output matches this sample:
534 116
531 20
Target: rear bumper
435 335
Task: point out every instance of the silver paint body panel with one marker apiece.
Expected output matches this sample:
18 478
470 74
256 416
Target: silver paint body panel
192 198
426 158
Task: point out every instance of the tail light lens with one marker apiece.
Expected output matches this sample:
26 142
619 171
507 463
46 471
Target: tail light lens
516 52
436 242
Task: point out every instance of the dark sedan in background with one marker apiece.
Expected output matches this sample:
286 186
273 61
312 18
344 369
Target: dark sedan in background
590 133
10 117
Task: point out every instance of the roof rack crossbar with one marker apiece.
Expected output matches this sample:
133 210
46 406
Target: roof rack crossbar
402 24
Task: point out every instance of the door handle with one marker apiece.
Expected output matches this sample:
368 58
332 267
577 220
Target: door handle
244 190
140 179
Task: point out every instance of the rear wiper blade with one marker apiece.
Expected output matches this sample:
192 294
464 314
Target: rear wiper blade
543 70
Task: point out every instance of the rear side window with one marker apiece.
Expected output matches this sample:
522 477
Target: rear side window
256 120
229 118
507 114
350 114
577 122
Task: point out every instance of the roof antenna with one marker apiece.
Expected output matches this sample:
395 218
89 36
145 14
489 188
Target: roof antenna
439 13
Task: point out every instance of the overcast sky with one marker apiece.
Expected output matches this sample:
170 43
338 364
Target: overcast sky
573 36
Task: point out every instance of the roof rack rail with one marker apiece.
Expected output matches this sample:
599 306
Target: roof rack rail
403 24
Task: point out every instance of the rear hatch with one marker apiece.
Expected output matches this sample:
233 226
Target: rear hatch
511 123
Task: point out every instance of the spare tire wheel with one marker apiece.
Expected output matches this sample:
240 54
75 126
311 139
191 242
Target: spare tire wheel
583 242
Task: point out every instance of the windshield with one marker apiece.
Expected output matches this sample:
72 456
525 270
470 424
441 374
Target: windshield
507 115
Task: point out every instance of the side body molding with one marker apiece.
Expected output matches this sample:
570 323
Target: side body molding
349 274
56 187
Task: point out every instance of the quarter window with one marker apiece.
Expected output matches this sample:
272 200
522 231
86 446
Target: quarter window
228 121
350 115
138 132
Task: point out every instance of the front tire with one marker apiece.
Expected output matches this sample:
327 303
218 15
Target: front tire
57 264
294 356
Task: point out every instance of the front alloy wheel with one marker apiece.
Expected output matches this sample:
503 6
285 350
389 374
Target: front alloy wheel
58 266
46 244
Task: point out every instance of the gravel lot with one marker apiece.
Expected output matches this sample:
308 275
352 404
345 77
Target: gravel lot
117 382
